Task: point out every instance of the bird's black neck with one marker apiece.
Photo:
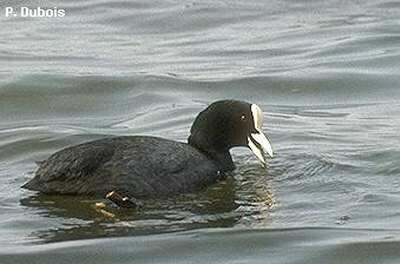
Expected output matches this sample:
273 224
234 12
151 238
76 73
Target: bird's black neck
220 155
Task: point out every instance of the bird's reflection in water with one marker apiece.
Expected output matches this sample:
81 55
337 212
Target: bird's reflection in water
243 199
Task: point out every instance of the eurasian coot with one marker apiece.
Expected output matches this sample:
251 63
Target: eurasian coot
150 167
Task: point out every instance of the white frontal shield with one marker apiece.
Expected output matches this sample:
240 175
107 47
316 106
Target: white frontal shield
258 142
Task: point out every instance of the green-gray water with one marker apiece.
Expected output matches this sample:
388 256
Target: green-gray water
326 73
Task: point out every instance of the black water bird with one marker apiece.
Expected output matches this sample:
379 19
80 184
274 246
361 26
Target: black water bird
151 167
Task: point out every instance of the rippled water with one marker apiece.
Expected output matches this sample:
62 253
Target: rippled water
326 73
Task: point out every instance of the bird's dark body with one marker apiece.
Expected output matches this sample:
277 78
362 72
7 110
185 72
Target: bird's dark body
138 166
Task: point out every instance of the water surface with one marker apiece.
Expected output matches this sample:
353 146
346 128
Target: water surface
326 73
